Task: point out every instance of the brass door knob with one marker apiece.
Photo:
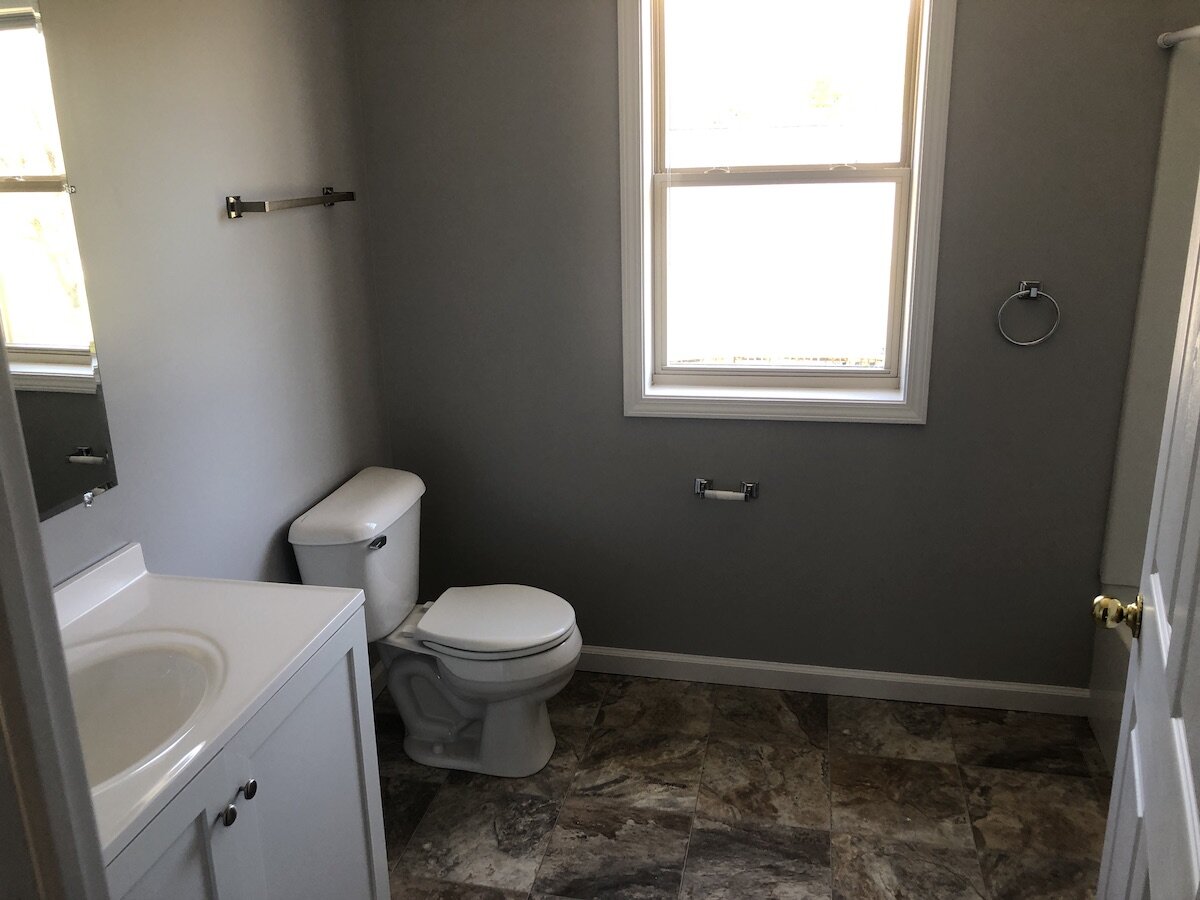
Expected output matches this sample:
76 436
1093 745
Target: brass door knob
1109 612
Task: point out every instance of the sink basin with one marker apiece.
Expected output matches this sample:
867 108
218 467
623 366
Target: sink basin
136 696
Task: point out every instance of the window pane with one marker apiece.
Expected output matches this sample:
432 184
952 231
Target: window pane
42 301
784 82
780 275
29 142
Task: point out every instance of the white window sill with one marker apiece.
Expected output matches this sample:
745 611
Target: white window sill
61 378
890 405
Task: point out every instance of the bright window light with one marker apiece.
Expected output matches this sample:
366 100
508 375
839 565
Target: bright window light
783 276
43 304
784 82
782 162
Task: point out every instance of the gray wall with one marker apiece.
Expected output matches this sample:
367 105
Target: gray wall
969 546
1153 344
236 355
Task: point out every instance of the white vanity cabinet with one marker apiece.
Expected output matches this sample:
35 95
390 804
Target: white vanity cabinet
288 808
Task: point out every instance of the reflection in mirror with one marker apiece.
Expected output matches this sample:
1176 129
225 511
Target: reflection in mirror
44 316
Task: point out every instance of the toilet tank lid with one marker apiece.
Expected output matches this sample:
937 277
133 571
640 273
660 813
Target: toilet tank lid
360 509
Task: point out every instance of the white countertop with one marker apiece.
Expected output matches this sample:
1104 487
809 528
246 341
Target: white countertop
262 632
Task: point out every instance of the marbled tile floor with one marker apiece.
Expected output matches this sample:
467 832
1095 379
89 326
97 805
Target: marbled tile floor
665 789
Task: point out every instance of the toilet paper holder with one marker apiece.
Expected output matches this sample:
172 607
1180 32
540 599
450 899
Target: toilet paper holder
702 488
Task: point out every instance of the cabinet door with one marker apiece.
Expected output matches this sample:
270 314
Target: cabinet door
185 853
311 751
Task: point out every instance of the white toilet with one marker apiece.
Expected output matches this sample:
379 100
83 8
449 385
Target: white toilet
471 672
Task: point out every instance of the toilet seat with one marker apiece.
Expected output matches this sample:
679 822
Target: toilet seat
495 621
446 650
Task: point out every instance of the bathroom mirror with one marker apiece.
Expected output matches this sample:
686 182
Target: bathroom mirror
44 318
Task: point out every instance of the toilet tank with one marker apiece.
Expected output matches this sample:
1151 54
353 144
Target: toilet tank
366 534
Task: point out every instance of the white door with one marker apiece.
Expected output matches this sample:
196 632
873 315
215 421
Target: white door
1152 846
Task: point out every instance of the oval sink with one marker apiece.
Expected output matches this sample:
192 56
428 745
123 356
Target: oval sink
136 695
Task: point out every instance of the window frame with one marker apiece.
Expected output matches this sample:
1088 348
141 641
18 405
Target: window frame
898 392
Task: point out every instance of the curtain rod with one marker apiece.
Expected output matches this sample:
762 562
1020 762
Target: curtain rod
1169 39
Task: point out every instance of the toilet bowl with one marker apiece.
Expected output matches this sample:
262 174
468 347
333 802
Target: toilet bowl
470 672
482 710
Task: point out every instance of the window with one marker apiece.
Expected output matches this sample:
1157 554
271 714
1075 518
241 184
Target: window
43 306
781 165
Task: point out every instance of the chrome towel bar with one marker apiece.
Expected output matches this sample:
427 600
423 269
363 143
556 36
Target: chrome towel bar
236 207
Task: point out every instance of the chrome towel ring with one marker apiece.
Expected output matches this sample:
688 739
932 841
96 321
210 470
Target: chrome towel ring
1029 290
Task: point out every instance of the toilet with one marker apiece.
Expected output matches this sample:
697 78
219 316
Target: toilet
470 672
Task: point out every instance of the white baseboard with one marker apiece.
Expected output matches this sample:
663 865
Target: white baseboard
1049 698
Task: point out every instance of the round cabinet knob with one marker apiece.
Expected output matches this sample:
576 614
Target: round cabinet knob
249 789
1109 612
228 815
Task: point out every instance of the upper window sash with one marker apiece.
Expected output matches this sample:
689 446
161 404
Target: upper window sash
655 61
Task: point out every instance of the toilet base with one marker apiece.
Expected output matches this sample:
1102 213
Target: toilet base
513 740
484 716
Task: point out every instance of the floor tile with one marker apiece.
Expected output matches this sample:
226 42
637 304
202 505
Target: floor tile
870 869
771 862
405 887
641 769
578 703
1023 812
1092 754
1024 877
551 782
659 705
890 728
899 799
1102 776
486 840
765 783
394 762
1103 785
404 803
1022 741
756 714
676 789
602 852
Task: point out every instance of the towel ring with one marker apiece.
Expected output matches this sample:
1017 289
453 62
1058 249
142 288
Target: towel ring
1030 290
